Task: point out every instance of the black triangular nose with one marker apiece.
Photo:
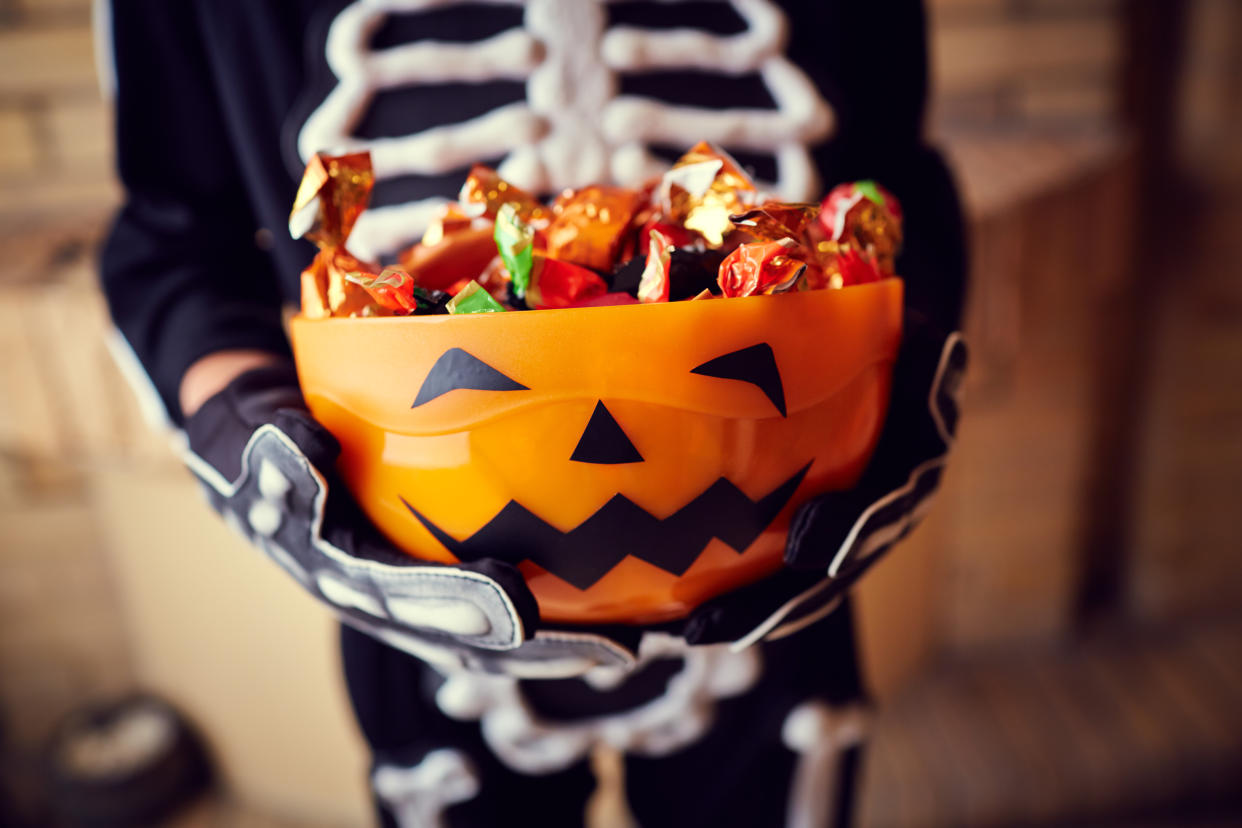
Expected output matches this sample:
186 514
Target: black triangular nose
604 442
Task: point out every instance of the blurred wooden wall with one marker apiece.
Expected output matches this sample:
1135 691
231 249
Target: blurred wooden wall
1022 65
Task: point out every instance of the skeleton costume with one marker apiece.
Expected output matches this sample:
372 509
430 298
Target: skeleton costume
748 712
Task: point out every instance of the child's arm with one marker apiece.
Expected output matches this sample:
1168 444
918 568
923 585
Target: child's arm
182 272
210 374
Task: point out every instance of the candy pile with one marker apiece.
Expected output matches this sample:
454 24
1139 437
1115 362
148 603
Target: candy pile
702 230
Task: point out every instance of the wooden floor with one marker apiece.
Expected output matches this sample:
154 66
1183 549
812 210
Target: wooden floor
1127 725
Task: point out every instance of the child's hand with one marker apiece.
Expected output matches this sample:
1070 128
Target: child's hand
840 534
269 469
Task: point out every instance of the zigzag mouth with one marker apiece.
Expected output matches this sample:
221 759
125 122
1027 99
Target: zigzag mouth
620 528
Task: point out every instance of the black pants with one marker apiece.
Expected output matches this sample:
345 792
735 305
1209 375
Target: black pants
738 773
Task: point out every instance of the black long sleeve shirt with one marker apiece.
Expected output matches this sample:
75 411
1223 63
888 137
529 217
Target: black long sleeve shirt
211 96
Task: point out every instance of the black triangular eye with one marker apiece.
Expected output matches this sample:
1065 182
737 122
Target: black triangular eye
457 369
756 365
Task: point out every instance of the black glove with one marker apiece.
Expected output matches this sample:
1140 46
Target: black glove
269 469
840 534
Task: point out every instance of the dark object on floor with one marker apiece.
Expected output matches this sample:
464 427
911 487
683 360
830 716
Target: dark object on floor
121 763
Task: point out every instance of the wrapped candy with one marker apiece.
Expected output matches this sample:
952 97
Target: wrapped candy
855 268
867 217
333 193
760 267
392 289
775 220
654 285
473 299
703 189
485 192
454 249
558 284
589 225
515 239
500 248
459 257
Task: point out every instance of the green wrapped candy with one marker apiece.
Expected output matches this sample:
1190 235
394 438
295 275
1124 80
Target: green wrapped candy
474 299
515 241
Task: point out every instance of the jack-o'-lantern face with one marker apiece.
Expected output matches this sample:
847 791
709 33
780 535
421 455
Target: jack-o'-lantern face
633 461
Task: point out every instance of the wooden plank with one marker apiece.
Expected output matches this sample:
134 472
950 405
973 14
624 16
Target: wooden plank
41 61
987 54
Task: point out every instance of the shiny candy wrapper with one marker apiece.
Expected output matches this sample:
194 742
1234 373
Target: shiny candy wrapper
515 239
703 189
558 284
856 268
776 220
393 289
589 225
473 299
654 285
485 192
460 256
333 193
865 216
327 291
701 229
760 268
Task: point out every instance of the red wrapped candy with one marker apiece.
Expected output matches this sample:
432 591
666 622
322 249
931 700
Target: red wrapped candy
558 284
392 289
865 216
760 267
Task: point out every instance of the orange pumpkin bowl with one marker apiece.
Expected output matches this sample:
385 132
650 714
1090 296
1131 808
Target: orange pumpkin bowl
633 460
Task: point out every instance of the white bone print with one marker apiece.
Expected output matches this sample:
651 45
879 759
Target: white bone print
573 128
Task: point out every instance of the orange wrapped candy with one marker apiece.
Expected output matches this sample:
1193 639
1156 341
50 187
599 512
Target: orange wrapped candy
462 254
333 193
589 225
775 220
487 191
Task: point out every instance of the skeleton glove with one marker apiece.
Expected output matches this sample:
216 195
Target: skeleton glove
841 534
842 531
268 468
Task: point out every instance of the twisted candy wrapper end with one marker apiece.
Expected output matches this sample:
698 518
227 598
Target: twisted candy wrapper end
335 189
